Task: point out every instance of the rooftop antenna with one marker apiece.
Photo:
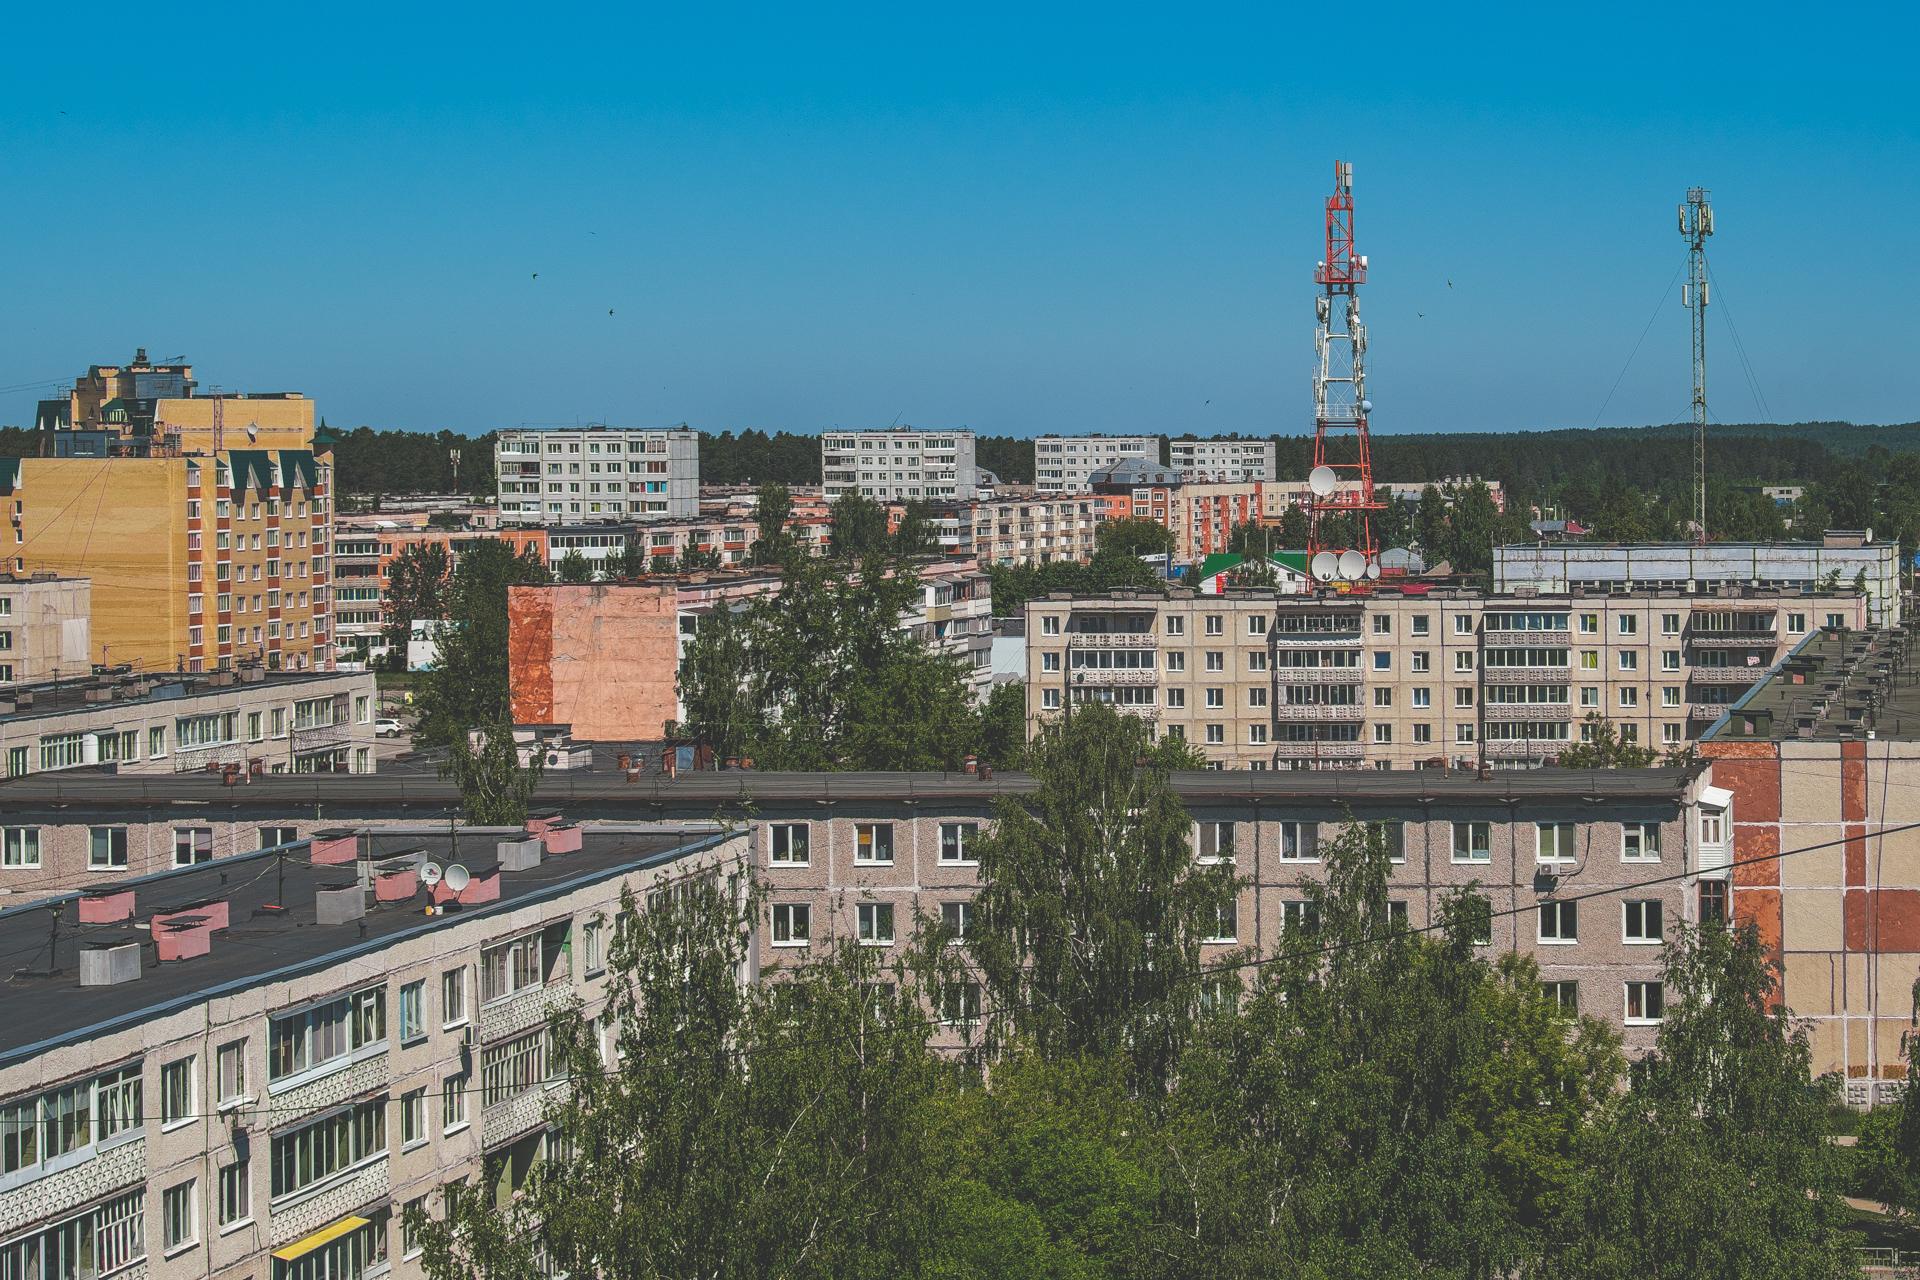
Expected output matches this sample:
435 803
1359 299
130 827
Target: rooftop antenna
1340 404
1696 224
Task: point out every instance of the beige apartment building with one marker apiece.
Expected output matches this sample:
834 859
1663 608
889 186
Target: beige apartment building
1020 531
1396 680
44 628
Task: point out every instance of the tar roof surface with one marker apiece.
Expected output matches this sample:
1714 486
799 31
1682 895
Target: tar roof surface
43 1011
1835 685
54 698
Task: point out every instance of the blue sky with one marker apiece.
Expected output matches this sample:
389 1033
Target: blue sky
1017 219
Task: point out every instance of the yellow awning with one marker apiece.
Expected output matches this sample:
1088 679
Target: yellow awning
325 1235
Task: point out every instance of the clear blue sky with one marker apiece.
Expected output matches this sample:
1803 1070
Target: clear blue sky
1016 219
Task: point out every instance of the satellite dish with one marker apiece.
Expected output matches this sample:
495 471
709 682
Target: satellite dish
1352 564
1322 481
1366 406
430 873
1325 565
458 877
1373 568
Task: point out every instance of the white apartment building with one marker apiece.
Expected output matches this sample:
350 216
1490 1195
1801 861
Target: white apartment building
899 465
586 475
1019 531
1224 461
1258 680
1065 464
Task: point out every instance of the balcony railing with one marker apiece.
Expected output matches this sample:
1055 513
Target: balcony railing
1315 639
1501 635
1708 711
1318 711
1319 750
1116 675
1529 675
1510 712
1726 675
1524 749
1734 639
1110 639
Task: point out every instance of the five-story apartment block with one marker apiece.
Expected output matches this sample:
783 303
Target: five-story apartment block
1223 461
1065 464
899 465
596 474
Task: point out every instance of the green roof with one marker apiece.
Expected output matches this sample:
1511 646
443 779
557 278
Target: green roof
9 475
1221 561
252 469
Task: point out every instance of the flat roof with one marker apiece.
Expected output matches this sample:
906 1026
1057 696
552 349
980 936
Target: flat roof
63 697
1836 685
47 1009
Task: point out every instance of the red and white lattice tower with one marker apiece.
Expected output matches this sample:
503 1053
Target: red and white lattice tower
1341 483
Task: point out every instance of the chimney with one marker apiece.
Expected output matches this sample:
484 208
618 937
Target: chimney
108 964
333 848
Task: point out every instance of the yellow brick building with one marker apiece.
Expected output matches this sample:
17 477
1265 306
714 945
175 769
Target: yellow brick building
197 563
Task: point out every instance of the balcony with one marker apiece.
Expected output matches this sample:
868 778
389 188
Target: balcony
1492 636
1525 749
1708 711
1726 675
1110 639
1116 675
1530 675
1511 712
1293 711
1319 750
1734 639
1314 639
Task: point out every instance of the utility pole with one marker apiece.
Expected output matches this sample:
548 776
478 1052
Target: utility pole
1696 224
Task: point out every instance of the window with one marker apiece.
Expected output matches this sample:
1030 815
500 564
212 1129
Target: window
1463 733
1419 627
1713 828
787 844
956 916
413 1011
1559 922
1463 696
453 997
1226 922
873 843
960 1003
1176 626
1423 697
1713 902
336 1142
593 951
413 1118
1216 699
508 967
1215 626
1216 735
1555 841
1646 1003
1669 659
515 1067
181 1229
1462 624
453 1103
1629 659
1669 624
192 845
1383 660
1176 697
70 1118
176 1092
1589 659
1049 699
1472 842
236 1193
1642 920
1629 696
1176 661
20 848
792 924
1640 842
326 1033
1050 624
1564 994
1050 661
1589 624
1214 842
1796 623
106 849
875 922
1382 624
1216 660
1256 624
1299 915
410 1242
1670 696
1397 913
156 742
1629 624
1417 662
1463 660
1382 734
1299 842
230 1071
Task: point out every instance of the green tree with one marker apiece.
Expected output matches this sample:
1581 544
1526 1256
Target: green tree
468 686
1430 526
1088 924
1600 747
915 535
719 685
1471 529
574 568
1134 536
1003 726
633 559
416 589
1294 530
495 788
772 512
859 527
1714 1162
699 559
1252 538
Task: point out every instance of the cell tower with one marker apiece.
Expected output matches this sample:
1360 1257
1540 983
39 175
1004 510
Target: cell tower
1696 224
1341 482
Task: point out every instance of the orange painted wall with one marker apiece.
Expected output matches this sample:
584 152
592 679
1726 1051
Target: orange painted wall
600 656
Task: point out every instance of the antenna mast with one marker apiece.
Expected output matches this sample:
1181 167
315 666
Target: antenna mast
1696 224
1342 476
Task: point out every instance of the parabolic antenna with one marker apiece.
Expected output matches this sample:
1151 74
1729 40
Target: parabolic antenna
458 877
1352 565
1373 568
430 873
1322 481
1325 565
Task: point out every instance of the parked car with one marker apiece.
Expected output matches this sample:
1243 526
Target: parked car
386 727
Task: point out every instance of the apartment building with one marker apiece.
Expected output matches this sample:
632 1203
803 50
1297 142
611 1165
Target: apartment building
901 464
251 721
365 548
1020 531
44 628
1275 498
1407 679
1200 515
196 563
1224 461
596 474
1065 464
179 1100
1839 561
863 856
1815 763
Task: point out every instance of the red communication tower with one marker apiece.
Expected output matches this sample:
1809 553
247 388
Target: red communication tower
1341 552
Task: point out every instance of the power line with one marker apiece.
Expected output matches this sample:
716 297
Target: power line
1667 293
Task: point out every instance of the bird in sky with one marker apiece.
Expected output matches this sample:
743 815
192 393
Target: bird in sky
609 310
1421 314
1449 282
536 275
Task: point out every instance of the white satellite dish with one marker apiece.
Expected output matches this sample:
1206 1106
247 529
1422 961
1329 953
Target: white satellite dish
458 877
1325 565
1366 406
1322 481
430 873
1373 568
1352 565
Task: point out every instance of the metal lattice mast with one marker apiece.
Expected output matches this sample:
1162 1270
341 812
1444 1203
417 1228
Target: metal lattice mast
1342 477
1696 224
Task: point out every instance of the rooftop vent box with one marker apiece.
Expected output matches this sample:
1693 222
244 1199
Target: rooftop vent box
109 964
339 906
521 855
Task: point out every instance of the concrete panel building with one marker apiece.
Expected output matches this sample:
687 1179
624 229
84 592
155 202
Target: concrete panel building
1405 679
1065 464
902 464
1223 461
1841 560
44 628
1820 769
597 474
600 658
197 563
1019 531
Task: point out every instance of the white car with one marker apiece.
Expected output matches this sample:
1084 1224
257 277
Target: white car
386 727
